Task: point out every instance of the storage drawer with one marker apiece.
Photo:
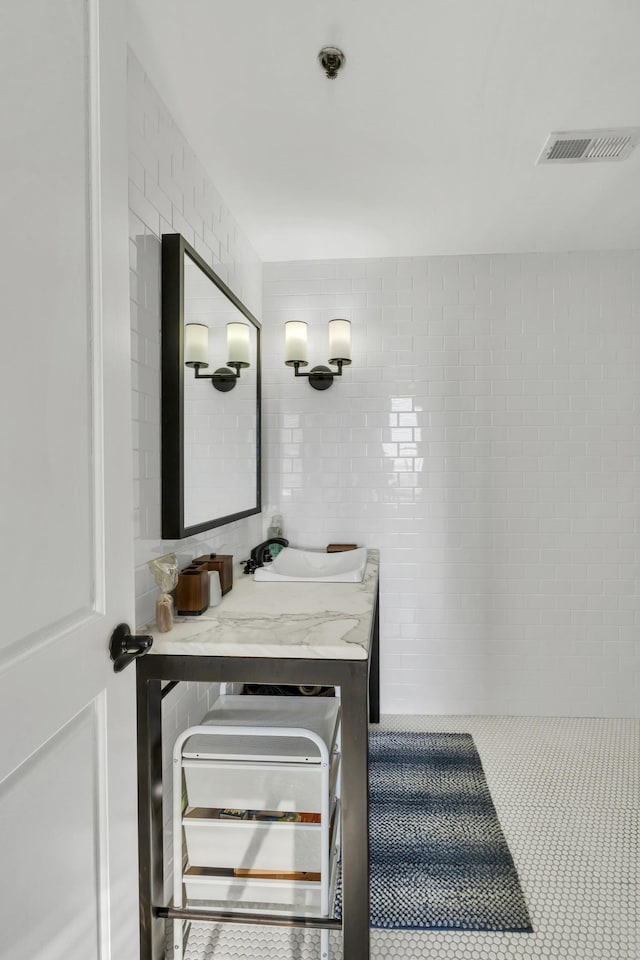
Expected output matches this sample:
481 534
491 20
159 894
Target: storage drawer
254 786
207 886
253 844
321 716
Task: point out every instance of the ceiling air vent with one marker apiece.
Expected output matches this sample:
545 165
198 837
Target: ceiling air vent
589 146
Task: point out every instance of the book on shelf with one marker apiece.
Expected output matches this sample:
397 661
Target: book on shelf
265 816
283 816
274 816
277 874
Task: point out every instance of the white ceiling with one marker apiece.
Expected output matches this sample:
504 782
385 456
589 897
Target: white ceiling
426 142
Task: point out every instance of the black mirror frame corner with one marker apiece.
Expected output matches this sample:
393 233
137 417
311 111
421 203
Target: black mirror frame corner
174 250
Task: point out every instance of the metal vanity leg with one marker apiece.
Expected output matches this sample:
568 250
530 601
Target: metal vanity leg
374 667
355 813
151 880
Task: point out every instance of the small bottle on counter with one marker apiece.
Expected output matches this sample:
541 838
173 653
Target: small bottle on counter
215 592
275 530
164 613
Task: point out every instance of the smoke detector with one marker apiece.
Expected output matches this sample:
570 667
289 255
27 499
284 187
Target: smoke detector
589 146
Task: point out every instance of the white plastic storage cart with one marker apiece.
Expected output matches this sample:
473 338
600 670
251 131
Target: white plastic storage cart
256 808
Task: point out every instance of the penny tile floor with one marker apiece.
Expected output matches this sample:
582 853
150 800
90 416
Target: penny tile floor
567 793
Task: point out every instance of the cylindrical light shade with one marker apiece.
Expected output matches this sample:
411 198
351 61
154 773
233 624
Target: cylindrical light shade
340 341
196 344
295 343
238 344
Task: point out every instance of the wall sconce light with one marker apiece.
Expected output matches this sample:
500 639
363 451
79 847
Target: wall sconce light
196 353
320 377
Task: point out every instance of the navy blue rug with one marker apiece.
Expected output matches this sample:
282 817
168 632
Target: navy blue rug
438 857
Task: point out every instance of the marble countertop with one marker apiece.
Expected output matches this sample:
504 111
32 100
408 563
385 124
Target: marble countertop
287 620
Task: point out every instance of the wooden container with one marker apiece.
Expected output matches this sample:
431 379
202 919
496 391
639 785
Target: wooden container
192 591
223 563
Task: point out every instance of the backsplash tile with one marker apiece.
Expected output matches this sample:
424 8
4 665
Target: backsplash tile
171 193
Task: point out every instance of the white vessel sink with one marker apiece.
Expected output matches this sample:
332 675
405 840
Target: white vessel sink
314 566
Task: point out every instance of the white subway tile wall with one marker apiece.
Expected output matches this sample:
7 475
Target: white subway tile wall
169 192
486 439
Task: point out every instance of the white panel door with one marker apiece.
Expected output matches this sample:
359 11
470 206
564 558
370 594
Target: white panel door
67 747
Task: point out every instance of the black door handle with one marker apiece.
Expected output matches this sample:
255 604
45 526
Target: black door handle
125 647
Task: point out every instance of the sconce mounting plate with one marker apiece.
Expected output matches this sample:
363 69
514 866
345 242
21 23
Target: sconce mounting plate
224 379
321 377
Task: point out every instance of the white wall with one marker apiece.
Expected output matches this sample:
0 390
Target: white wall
486 439
169 192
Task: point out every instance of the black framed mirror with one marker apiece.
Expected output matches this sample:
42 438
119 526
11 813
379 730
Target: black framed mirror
211 403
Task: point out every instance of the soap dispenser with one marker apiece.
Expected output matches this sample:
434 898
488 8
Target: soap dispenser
275 530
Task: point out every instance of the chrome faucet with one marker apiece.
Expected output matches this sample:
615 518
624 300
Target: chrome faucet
261 553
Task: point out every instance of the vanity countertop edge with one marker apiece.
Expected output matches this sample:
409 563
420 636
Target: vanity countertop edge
296 620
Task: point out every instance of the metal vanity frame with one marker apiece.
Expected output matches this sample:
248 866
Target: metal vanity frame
359 692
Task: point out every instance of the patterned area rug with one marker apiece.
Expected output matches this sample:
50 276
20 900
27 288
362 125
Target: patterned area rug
438 857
